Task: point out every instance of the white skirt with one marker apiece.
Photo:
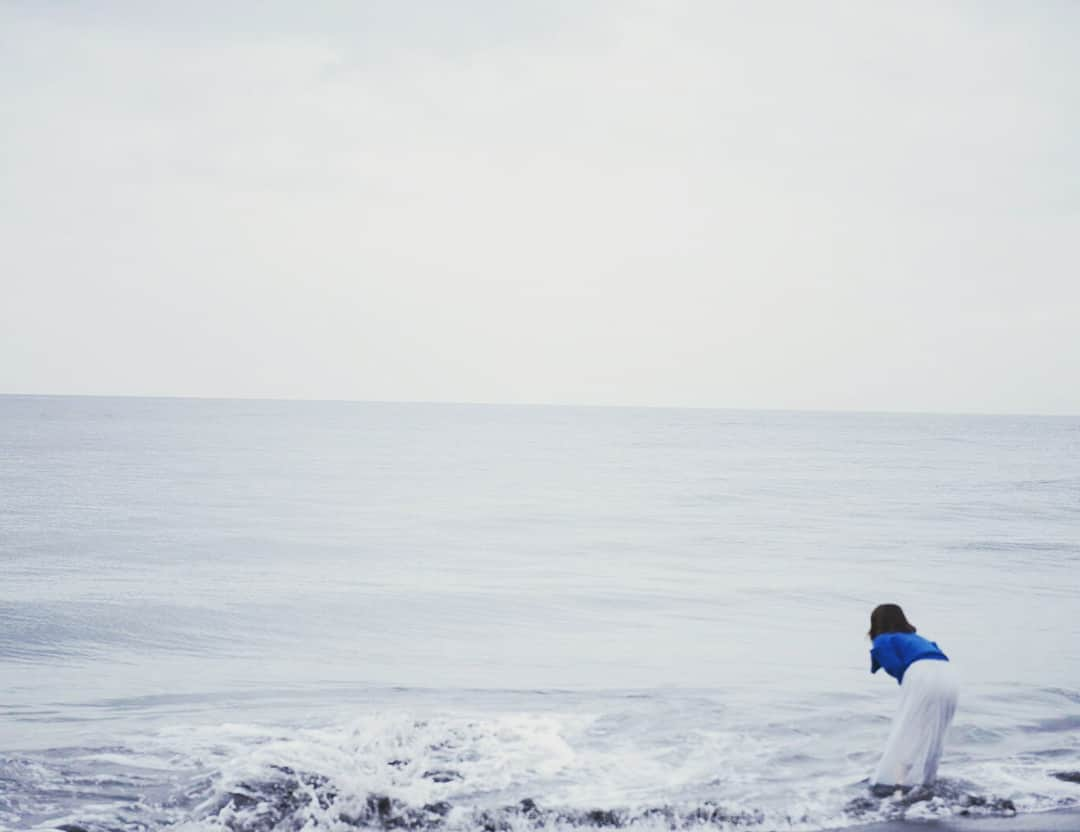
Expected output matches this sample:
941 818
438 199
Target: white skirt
927 703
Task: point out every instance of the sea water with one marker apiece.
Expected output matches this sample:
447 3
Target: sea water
256 615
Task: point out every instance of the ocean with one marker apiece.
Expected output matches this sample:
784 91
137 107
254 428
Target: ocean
262 615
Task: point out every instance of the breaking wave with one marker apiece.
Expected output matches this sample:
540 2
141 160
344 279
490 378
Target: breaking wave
510 773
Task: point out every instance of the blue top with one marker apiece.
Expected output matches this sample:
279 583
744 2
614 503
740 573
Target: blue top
896 652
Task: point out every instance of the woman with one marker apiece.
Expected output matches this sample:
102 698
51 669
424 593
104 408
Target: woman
928 692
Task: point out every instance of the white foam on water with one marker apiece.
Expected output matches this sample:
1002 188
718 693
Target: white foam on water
512 770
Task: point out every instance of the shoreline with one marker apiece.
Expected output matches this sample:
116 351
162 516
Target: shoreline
1056 820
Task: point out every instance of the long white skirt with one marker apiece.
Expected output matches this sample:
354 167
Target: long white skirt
927 703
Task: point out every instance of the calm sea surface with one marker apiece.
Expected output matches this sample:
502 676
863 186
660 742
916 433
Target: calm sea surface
280 615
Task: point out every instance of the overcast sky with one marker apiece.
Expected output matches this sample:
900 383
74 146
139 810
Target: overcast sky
784 205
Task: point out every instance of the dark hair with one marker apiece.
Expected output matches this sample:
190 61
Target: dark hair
888 618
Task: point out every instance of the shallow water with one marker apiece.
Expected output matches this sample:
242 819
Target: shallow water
255 615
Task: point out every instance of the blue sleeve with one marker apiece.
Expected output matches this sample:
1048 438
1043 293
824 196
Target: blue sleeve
875 665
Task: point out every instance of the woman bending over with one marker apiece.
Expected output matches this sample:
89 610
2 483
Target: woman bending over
928 692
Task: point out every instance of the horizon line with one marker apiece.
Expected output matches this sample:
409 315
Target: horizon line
579 405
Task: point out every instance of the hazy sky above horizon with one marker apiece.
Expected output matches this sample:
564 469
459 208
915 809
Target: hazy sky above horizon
784 205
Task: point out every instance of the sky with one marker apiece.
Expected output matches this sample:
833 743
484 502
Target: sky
829 205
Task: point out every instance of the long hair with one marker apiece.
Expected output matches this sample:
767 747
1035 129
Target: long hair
888 618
